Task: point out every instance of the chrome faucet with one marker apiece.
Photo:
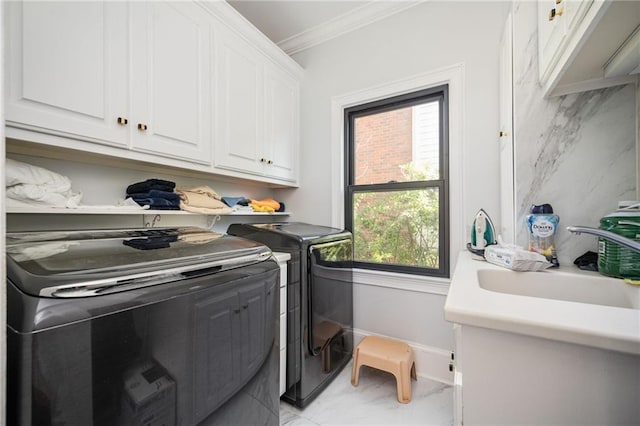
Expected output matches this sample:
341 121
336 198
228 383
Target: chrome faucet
607 235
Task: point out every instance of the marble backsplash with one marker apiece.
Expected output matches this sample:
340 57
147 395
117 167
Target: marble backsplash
576 152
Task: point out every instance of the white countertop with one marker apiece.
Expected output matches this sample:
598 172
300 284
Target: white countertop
606 327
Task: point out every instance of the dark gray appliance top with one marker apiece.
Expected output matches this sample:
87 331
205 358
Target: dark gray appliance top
287 235
97 262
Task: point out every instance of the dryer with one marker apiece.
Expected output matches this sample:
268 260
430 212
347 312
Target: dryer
319 301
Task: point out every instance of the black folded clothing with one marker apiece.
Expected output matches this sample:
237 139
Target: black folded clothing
166 207
149 184
150 243
158 203
154 193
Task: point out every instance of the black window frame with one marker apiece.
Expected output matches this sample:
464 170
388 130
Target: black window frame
441 94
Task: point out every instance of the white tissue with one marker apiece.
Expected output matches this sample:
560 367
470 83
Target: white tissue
515 258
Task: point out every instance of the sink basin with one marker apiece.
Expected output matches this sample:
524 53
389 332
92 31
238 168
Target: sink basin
564 304
521 334
557 285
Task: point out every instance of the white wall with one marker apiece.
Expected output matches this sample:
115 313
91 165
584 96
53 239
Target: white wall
427 37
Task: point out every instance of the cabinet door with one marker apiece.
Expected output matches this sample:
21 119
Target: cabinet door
67 68
252 300
218 368
281 125
171 80
507 184
574 11
239 107
552 31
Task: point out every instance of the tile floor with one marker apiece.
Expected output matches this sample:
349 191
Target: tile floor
373 402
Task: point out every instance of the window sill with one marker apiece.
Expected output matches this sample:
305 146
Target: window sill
407 282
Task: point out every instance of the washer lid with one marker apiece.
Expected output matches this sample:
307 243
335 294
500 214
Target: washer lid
91 263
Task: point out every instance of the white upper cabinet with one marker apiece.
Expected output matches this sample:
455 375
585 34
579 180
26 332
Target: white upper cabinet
281 120
70 74
557 22
173 83
257 110
578 40
239 127
67 69
551 35
171 51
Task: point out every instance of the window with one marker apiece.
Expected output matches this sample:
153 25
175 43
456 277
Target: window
396 183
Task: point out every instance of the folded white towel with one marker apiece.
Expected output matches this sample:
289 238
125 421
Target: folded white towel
23 173
38 186
41 195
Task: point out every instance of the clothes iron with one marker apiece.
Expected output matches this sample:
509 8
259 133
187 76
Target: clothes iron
483 233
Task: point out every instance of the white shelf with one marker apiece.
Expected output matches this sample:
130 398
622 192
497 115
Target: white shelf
102 211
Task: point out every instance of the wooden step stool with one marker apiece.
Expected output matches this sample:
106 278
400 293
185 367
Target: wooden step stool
388 355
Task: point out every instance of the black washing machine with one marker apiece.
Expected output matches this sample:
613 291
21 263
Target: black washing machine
319 301
141 327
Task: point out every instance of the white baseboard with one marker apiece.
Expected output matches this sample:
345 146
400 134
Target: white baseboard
431 363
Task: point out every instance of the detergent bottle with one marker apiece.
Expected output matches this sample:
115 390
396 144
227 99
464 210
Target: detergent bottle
543 225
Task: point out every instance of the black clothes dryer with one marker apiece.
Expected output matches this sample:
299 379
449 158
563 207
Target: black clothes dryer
141 327
319 301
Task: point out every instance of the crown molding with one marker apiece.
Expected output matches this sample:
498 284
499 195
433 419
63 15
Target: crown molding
345 23
234 21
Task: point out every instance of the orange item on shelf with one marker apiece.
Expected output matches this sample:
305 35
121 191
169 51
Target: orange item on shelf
265 205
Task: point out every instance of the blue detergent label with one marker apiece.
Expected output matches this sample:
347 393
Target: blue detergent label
542 228
542 225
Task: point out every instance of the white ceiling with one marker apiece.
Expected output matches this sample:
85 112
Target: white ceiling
283 19
295 25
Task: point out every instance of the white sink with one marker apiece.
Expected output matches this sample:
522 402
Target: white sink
559 347
565 304
559 285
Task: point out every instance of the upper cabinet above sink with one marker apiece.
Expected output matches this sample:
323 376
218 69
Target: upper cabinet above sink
587 44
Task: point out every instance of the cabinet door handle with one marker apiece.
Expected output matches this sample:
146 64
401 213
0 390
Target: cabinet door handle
555 12
236 310
245 306
122 121
503 133
263 160
269 162
142 126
